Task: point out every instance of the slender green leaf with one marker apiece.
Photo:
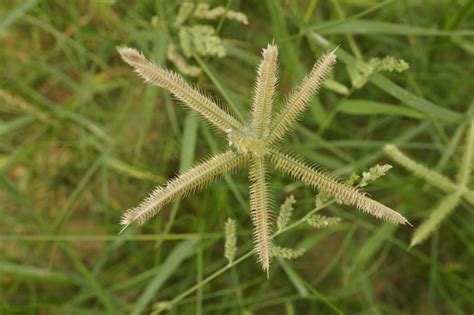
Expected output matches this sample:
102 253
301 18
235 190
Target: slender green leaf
366 107
16 124
129 170
16 14
33 273
184 250
365 27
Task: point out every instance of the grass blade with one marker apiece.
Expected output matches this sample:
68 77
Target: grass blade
32 273
366 27
366 107
16 14
180 253
428 108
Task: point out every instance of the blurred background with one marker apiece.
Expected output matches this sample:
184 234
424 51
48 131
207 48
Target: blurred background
82 139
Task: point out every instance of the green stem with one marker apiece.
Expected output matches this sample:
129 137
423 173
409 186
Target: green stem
243 257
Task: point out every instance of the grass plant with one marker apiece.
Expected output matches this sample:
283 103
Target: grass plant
82 139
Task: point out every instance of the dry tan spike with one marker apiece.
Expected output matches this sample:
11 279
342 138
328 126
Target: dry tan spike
189 182
260 211
311 176
265 86
182 90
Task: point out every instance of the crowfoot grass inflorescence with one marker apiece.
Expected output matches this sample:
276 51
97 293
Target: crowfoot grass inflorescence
251 143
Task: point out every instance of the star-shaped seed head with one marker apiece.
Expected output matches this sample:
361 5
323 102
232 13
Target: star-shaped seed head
251 143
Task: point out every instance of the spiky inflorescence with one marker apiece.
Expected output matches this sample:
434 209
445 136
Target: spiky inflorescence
252 142
300 97
184 12
287 253
264 91
230 248
191 181
182 90
467 161
323 182
260 210
442 210
374 173
420 170
286 210
203 11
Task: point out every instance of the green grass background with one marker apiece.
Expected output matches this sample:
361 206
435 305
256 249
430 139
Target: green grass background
95 139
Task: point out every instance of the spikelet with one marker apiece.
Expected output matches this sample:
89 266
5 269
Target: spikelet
438 214
323 182
321 199
189 182
388 63
202 40
237 16
287 253
264 91
320 221
260 211
185 10
374 173
203 12
286 211
182 90
186 41
230 248
467 161
299 98
432 177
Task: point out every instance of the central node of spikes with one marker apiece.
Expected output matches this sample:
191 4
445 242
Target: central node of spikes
245 141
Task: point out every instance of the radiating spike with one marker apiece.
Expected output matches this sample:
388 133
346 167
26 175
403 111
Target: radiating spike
260 211
191 181
318 180
264 91
299 98
182 90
